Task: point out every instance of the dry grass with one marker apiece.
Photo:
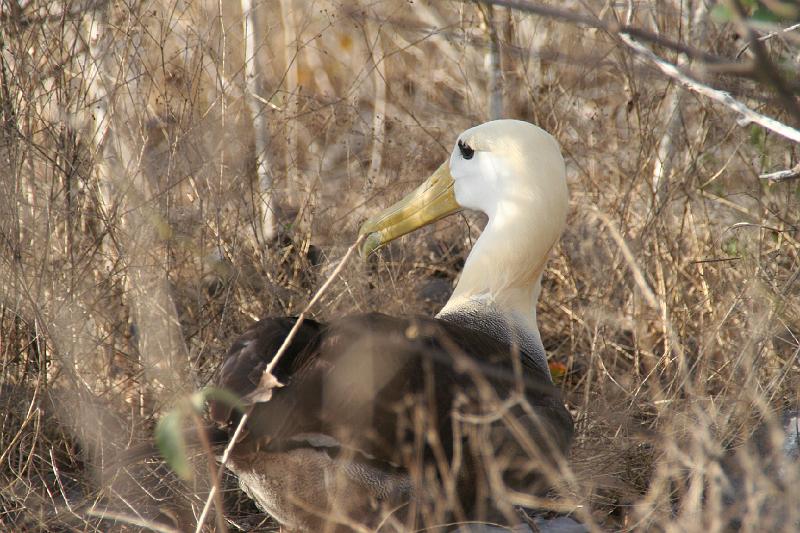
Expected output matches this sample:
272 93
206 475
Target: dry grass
130 260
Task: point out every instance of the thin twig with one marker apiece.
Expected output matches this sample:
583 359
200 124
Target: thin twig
225 455
763 65
612 27
286 342
214 473
317 296
767 37
132 520
782 175
253 77
54 463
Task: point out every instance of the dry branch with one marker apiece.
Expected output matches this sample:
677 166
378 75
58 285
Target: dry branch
253 77
493 63
722 97
674 104
613 27
768 36
782 175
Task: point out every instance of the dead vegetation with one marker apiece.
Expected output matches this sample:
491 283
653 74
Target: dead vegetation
134 236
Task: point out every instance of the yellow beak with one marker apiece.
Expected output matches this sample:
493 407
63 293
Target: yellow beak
429 202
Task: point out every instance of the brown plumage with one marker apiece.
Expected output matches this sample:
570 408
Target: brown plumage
339 440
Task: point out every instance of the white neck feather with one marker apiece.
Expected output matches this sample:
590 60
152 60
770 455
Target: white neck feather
502 277
504 271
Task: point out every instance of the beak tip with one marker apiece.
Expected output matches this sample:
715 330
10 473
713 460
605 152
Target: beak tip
371 243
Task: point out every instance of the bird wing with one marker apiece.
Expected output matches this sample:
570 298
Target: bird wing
374 382
250 354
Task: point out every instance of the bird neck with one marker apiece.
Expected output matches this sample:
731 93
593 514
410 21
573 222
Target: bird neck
505 266
502 276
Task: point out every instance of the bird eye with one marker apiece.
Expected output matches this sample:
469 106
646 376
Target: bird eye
466 151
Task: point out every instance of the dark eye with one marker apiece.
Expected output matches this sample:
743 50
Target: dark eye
466 151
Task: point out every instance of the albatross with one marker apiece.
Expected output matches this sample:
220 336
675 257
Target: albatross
396 423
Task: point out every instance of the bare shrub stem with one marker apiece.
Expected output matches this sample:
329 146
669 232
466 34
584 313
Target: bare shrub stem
722 97
253 77
268 372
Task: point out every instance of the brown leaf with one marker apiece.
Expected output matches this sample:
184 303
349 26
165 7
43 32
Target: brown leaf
263 391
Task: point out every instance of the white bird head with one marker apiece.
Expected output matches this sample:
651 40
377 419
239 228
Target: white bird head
507 165
508 169
514 172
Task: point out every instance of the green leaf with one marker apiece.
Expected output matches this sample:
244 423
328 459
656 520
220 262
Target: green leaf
763 14
773 12
776 12
758 137
172 444
721 14
731 247
199 398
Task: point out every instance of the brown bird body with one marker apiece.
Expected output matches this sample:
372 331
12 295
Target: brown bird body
339 442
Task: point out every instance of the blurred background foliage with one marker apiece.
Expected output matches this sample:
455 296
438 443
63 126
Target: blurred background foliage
138 236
